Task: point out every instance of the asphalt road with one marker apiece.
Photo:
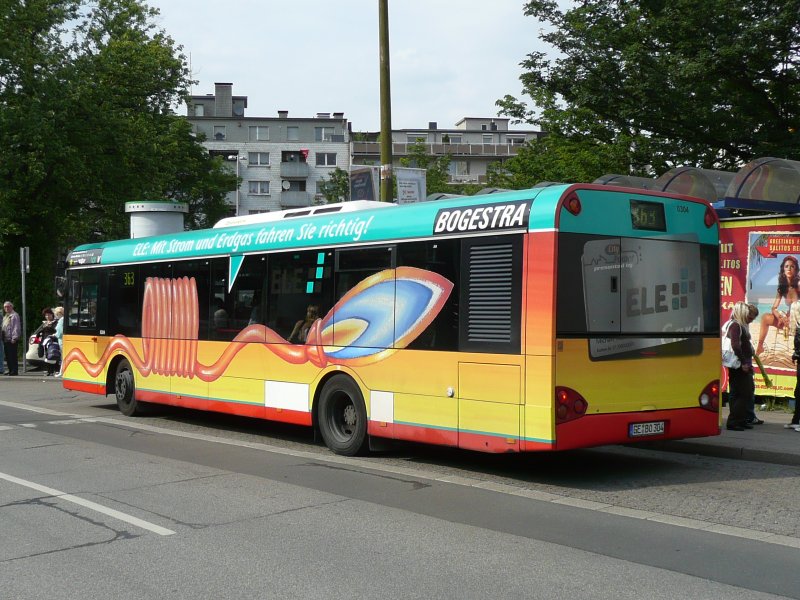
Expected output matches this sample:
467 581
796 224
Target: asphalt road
192 505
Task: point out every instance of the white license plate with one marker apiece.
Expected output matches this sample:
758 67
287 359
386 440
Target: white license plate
643 429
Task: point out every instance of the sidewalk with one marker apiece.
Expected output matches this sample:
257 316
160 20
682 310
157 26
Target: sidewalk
769 443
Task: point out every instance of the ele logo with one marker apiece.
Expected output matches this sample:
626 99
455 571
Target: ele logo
659 298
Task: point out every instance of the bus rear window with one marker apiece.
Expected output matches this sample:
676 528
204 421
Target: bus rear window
610 286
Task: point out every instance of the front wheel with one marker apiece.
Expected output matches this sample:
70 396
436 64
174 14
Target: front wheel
342 417
125 390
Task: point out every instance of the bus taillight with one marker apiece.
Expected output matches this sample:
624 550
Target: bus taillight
709 218
569 405
709 398
573 204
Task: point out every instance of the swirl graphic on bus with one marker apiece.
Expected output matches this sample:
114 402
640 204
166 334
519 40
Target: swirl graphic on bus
378 316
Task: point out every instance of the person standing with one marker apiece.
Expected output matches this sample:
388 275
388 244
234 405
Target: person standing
2 353
59 313
741 377
12 331
752 418
795 422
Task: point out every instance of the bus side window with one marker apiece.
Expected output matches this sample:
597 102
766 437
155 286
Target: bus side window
353 267
126 316
441 257
154 271
82 308
201 271
246 293
295 281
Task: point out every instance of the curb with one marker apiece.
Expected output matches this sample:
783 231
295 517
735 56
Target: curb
733 452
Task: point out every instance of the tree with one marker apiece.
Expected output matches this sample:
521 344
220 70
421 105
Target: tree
436 167
336 188
559 158
709 83
86 124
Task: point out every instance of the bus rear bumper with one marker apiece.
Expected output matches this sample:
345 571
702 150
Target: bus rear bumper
630 428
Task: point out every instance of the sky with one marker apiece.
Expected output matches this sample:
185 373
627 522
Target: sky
449 59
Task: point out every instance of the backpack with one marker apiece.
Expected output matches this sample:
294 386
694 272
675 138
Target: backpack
729 358
53 350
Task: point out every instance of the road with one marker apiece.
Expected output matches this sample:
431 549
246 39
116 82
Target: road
190 505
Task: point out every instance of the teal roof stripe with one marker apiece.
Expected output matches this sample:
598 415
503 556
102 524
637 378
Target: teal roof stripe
469 214
371 225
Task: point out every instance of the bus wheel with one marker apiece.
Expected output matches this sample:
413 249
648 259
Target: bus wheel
125 390
342 417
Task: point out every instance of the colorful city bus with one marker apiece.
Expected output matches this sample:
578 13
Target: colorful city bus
553 318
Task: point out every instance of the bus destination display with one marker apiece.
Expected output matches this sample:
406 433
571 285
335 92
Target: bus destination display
648 216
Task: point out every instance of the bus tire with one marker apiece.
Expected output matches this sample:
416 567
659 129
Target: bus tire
342 416
125 390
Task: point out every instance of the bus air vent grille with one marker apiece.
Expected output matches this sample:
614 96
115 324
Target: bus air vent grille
490 293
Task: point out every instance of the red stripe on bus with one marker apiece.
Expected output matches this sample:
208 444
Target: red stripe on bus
257 411
447 437
417 433
85 386
487 443
598 430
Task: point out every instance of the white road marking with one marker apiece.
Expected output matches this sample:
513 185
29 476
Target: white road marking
502 488
110 512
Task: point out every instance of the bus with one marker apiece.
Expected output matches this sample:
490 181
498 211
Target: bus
554 318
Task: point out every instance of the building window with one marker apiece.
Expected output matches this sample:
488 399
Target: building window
516 140
323 134
488 138
258 159
459 167
259 188
259 134
292 133
413 138
326 159
455 138
199 110
219 132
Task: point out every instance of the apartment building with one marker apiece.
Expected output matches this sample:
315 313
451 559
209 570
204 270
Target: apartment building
473 144
281 159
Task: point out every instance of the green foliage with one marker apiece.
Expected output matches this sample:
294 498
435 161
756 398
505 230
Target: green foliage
709 83
560 158
437 167
86 124
337 187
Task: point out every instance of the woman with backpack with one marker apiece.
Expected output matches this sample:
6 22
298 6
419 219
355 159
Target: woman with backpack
742 385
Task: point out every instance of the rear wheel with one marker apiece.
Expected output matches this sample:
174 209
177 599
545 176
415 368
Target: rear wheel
125 390
342 417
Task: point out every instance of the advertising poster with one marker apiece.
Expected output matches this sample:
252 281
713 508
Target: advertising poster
364 183
411 184
760 264
640 285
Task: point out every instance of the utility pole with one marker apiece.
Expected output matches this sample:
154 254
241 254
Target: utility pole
386 103
24 267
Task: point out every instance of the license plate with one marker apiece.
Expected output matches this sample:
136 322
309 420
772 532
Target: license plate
644 429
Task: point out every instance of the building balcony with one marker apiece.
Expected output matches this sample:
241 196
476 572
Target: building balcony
373 149
295 199
295 170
